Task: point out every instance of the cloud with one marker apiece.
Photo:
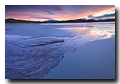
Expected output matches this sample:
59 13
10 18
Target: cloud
50 12
59 12
41 17
90 16
58 8
107 15
103 16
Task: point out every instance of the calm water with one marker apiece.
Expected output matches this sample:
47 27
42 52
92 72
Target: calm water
32 50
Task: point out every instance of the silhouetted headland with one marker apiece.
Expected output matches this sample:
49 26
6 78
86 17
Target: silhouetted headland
19 21
67 21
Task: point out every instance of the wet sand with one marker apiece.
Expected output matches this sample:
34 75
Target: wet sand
94 60
60 51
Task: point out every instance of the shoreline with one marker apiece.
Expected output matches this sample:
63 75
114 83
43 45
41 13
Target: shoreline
24 50
93 60
56 22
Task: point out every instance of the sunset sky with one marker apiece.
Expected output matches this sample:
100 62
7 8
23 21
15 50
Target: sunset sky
59 12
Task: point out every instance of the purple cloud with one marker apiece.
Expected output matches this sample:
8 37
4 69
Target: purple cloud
61 12
103 16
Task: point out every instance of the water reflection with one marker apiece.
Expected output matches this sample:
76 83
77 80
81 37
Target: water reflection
93 33
103 33
83 35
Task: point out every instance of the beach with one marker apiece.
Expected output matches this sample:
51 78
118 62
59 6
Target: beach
60 51
93 60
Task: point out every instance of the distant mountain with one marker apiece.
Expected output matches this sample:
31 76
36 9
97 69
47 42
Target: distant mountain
83 20
55 21
50 21
19 21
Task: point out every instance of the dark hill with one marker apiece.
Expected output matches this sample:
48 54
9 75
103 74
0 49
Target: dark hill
19 21
82 20
67 21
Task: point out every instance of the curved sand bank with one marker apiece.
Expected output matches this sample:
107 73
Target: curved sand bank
94 60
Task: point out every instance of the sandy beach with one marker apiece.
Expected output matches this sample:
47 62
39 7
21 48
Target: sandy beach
60 51
93 60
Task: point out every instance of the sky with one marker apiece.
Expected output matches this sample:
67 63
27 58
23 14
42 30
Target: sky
59 12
